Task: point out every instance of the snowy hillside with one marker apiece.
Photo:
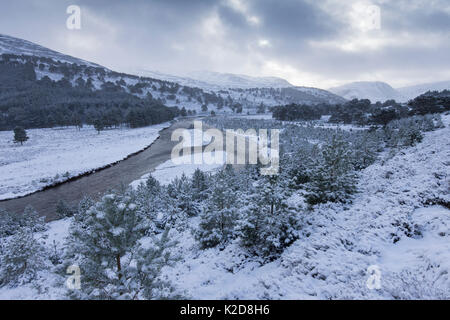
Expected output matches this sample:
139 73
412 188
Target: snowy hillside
216 80
219 92
374 91
16 46
413 91
185 81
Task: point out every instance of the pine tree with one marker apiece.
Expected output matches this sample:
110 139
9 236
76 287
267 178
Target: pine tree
365 150
334 178
218 218
267 224
21 258
299 167
109 232
199 185
113 262
409 133
20 135
99 125
149 263
9 223
153 185
155 204
181 190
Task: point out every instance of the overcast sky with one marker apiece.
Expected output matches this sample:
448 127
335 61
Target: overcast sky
318 43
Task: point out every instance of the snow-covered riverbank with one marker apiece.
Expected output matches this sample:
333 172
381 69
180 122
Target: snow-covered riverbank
54 155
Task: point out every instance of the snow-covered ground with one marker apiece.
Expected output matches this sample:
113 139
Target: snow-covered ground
169 170
390 226
54 155
48 284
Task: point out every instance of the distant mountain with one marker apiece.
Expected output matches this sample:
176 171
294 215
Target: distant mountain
374 91
230 80
11 45
185 81
216 80
413 91
251 88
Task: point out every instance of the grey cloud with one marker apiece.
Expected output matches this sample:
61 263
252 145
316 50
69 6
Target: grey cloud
166 35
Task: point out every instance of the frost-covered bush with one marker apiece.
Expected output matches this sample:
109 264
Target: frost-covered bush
21 256
407 132
415 285
63 210
84 205
8 223
31 219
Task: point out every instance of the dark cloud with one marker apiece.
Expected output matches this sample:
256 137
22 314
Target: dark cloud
309 42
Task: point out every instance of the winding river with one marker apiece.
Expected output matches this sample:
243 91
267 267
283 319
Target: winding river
97 183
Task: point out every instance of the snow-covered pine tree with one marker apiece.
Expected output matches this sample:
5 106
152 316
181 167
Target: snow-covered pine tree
21 257
365 149
150 260
105 245
267 225
218 219
20 135
299 166
199 185
9 223
180 189
334 178
85 204
153 185
155 203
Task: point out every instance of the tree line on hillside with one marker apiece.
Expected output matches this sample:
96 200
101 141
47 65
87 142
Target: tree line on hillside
363 112
164 92
31 103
